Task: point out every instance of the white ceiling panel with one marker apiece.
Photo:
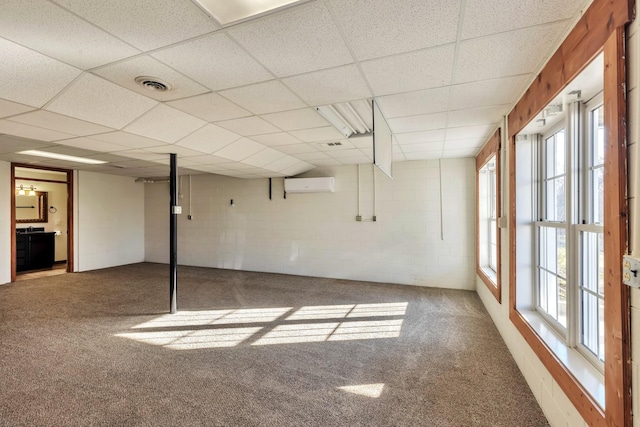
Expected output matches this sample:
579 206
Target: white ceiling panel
477 116
326 133
483 17
345 144
288 43
124 73
329 86
375 28
144 155
145 25
209 159
261 158
51 30
60 123
127 139
165 124
422 146
460 152
208 139
92 144
399 157
424 155
418 123
466 132
248 126
9 143
488 92
361 141
297 149
276 139
8 108
234 166
296 119
327 162
314 155
411 71
282 163
296 169
230 66
32 132
414 103
473 143
356 160
167 149
341 154
96 100
266 97
240 149
29 77
422 136
506 54
210 107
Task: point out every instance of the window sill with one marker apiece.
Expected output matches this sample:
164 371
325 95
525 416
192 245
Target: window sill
587 374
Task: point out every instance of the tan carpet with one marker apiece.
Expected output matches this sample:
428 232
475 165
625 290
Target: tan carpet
251 349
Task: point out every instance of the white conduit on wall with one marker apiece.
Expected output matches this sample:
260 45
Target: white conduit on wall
358 189
441 219
373 173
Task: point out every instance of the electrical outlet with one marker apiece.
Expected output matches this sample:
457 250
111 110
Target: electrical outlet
189 217
374 219
358 217
631 271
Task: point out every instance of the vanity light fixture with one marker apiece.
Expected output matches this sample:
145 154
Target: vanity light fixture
22 192
59 156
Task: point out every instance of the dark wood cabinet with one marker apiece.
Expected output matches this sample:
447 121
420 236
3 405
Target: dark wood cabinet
35 250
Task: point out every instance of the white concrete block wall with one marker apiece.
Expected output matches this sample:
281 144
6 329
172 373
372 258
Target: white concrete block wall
5 223
316 234
109 221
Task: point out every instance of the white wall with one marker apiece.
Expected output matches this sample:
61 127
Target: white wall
317 235
110 221
5 222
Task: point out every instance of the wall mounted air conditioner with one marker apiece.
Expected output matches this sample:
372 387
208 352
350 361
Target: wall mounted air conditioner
310 185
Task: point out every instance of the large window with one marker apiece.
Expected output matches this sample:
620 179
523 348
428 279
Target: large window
487 213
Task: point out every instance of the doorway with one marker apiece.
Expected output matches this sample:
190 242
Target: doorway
42 221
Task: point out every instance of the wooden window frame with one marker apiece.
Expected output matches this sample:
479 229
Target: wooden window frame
601 29
490 149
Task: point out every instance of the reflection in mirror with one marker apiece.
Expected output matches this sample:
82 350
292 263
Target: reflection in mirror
30 209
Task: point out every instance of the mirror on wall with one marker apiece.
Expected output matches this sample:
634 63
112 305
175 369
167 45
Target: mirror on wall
30 209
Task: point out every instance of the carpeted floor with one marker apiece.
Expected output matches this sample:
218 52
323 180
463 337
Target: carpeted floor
251 349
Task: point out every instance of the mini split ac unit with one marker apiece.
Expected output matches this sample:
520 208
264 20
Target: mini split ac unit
310 185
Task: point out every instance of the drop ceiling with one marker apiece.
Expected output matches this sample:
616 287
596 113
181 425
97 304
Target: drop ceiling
242 96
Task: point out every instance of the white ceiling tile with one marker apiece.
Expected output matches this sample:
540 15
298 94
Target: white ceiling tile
345 144
210 107
32 132
230 66
9 143
506 54
362 141
340 154
144 155
414 103
209 159
96 100
411 71
183 161
424 155
483 17
282 163
356 160
92 144
297 149
422 136
477 116
327 162
127 139
8 108
248 126
422 146
167 149
261 158
208 139
375 28
466 132
60 123
296 119
329 86
485 93
418 123
326 133
237 166
474 143
314 155
297 169
29 77
165 124
288 43
51 30
399 157
145 25
262 98
462 152
276 139
124 73
240 149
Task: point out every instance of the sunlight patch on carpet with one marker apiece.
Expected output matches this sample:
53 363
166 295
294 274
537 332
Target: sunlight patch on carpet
367 390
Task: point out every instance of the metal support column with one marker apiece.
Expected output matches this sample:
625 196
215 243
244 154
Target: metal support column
173 236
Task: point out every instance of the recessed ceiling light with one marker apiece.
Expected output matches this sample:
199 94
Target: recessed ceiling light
58 156
230 12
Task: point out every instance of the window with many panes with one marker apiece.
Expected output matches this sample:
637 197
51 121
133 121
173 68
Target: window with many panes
569 274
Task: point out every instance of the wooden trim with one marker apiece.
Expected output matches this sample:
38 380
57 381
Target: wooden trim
583 43
617 365
12 224
70 223
41 180
491 148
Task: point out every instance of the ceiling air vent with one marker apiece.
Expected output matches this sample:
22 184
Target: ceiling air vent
330 144
153 83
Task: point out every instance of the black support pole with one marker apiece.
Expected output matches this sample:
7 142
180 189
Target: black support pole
173 237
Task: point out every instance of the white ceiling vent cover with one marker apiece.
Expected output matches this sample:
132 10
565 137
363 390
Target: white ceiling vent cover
310 185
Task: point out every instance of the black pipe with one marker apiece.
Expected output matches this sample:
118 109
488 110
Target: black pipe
269 188
173 236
